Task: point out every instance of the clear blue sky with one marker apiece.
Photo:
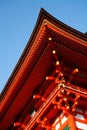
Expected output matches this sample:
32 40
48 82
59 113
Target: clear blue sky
17 20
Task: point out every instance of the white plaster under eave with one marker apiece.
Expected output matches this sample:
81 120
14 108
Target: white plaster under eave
81 125
57 126
79 116
64 119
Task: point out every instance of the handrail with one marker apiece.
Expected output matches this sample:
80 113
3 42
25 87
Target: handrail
43 107
49 100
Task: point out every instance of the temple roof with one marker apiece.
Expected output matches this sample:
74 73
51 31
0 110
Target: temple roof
36 62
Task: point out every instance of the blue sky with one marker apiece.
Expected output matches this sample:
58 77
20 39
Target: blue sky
17 21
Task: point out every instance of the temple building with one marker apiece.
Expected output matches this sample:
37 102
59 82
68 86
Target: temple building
48 87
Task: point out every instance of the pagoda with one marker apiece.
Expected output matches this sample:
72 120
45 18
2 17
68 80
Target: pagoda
48 87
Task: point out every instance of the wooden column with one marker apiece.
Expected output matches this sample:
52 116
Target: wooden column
72 122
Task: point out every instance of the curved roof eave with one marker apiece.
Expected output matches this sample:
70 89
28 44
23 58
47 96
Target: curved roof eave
42 15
